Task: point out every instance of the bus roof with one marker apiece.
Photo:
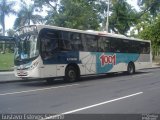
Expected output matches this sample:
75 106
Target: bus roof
100 33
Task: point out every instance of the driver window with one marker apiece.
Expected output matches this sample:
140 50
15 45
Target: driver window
49 43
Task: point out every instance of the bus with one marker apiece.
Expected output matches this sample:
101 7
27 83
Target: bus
49 52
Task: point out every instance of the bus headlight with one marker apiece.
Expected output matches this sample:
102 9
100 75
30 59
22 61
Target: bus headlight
34 65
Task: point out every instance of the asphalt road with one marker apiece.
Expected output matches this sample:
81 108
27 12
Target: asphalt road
105 94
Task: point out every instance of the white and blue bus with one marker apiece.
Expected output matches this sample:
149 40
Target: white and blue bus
48 51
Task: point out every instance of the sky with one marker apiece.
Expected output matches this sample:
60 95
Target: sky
11 18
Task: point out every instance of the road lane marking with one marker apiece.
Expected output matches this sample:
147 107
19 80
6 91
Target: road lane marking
12 93
91 106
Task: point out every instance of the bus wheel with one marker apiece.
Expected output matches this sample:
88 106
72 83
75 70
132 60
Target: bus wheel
71 74
131 68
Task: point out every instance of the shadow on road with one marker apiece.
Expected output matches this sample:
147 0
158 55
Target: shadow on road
43 83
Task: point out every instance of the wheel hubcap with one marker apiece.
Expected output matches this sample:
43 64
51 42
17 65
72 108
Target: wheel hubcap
72 74
131 69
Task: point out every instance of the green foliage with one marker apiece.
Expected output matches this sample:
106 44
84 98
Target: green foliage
152 32
6 8
89 14
77 14
122 17
100 8
10 32
49 3
26 16
151 6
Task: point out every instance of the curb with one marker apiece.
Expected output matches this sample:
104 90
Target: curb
154 67
6 70
16 81
10 81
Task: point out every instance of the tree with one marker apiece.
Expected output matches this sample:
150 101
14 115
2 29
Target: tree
10 33
122 16
100 8
52 4
26 16
77 14
90 14
152 32
152 6
149 22
6 8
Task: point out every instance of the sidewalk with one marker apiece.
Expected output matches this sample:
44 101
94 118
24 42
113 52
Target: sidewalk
9 76
155 65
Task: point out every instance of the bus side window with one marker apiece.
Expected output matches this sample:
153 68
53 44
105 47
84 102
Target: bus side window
103 44
64 42
91 43
125 46
76 41
144 47
135 47
115 45
49 43
47 48
147 46
100 45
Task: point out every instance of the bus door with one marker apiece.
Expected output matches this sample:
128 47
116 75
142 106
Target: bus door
49 46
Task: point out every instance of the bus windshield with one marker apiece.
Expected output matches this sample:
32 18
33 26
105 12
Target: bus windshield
26 47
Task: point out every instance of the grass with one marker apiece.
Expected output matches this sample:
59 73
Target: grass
6 61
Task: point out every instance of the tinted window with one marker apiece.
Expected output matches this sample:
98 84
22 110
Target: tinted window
49 43
116 45
135 46
103 44
64 41
144 48
126 46
76 41
140 47
91 43
147 46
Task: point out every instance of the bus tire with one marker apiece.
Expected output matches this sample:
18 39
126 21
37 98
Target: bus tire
71 74
131 68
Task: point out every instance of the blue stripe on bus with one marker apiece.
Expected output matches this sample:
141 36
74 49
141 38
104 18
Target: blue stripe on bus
106 61
63 58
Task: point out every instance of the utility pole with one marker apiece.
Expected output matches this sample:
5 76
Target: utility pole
107 23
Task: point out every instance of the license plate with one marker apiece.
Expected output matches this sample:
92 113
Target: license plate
21 72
